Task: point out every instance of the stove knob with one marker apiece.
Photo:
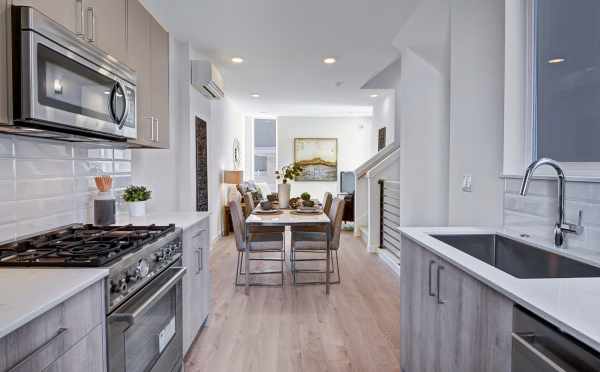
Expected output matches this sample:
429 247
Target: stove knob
142 269
121 285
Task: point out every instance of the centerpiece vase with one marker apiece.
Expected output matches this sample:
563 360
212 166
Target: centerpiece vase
283 191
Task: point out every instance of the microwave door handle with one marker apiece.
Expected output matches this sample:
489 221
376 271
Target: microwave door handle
119 120
126 109
131 317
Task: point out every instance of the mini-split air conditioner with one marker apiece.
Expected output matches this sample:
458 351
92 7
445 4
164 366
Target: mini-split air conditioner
207 79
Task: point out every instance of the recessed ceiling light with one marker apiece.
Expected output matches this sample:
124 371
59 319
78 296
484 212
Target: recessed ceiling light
329 61
237 60
375 95
556 60
255 95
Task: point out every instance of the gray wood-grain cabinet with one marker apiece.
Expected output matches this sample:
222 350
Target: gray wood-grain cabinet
148 55
196 282
449 321
3 62
99 22
68 337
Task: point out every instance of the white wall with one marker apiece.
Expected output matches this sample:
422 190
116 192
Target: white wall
384 115
354 148
477 108
171 173
423 98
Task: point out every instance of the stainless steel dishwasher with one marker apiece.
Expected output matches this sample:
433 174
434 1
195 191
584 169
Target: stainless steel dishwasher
541 347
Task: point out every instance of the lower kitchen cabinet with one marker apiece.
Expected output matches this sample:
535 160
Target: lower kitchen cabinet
68 337
450 321
196 282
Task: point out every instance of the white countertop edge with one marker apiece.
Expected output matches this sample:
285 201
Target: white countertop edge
184 220
499 280
94 276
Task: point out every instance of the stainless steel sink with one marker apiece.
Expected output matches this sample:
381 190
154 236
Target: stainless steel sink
519 259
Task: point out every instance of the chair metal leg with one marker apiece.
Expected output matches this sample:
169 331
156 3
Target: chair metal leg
239 271
316 271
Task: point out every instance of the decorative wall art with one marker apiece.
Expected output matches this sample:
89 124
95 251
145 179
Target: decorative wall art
317 157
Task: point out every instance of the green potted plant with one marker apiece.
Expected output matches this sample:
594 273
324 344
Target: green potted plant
288 172
306 200
136 197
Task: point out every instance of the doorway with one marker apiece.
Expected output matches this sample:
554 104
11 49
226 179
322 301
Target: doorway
201 166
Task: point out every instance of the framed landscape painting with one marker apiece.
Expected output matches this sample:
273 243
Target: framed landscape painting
318 157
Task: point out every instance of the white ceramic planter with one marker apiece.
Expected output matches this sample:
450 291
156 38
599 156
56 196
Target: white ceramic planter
137 209
283 192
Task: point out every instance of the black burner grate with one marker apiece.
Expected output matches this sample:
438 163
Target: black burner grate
80 245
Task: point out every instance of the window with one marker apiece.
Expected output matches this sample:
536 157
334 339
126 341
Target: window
265 152
566 112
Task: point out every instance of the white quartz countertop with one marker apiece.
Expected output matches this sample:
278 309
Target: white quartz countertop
27 293
183 220
573 304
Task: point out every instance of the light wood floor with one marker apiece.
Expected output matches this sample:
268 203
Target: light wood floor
355 328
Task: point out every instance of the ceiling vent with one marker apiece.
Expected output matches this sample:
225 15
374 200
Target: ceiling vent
207 79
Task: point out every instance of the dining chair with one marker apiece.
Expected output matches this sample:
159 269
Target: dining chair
261 240
249 201
310 242
327 199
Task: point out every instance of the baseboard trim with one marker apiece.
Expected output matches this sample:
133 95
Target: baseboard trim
391 260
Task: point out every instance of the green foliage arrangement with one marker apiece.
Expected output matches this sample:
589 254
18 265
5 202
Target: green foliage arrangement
305 196
289 172
136 194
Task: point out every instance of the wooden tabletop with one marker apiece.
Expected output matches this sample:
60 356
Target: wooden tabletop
287 218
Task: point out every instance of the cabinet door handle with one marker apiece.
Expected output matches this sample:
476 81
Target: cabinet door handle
151 118
92 19
440 300
39 349
431 264
199 260
156 140
81 28
201 250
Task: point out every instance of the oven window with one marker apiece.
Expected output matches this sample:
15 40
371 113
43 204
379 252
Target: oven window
69 86
150 334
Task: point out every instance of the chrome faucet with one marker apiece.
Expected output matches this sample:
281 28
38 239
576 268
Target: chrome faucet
561 226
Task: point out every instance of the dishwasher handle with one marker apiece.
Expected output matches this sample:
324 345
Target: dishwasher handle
526 356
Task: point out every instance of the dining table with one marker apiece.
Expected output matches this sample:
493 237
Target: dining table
289 219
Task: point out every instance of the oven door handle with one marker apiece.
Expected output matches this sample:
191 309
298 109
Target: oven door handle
132 316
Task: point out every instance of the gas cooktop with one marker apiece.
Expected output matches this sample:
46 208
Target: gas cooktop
80 245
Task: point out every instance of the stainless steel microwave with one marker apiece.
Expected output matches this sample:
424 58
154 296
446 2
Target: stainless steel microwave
65 88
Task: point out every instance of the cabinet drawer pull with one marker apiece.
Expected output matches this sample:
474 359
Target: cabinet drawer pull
39 349
92 26
200 232
200 258
440 300
431 292
156 139
81 28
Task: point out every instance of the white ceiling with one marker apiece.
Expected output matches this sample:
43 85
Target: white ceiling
283 43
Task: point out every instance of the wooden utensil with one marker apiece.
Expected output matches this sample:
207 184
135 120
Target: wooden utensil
103 183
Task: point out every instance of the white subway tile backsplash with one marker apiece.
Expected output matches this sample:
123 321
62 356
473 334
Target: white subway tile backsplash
122 154
35 208
41 188
7 169
47 184
7 214
93 168
43 168
93 152
6 147
7 190
8 232
32 148
536 214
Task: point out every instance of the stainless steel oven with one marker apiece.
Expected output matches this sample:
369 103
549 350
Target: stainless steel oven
145 332
66 88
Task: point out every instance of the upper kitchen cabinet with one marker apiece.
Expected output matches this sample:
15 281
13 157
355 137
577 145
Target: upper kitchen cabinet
160 82
105 26
148 55
100 22
3 64
69 13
